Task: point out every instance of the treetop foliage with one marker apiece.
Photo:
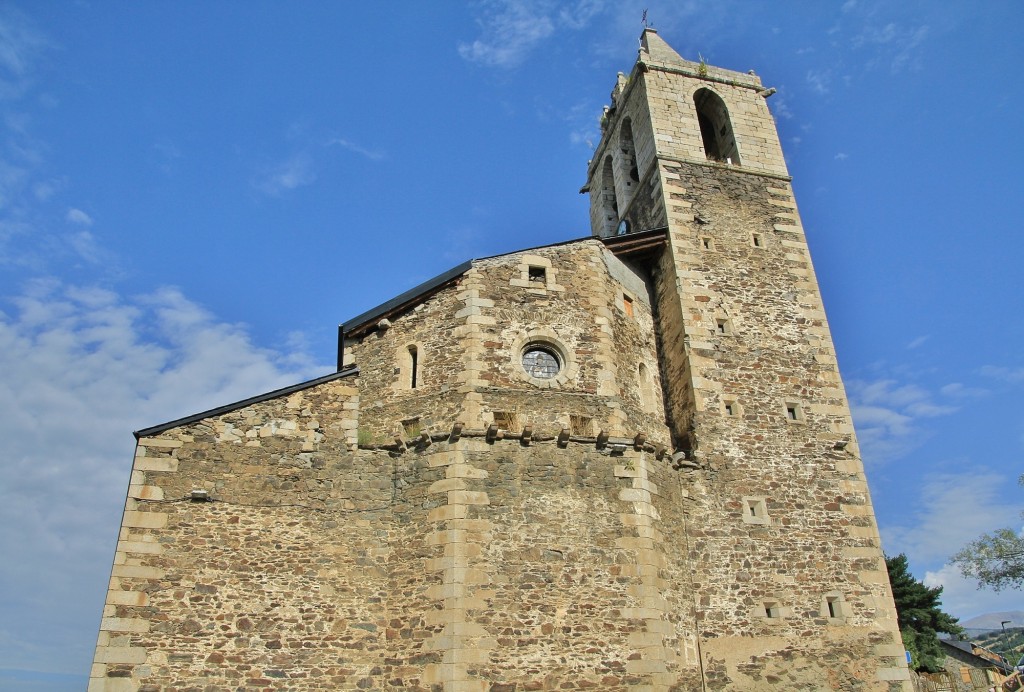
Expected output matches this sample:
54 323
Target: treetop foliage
919 615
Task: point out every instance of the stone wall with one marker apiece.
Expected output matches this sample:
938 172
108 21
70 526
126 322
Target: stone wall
470 337
441 519
458 564
792 586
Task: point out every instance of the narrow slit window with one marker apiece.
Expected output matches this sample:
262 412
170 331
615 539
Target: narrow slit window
706 242
730 408
627 305
833 606
771 610
414 367
757 240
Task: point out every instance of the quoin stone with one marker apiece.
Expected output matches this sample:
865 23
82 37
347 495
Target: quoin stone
618 462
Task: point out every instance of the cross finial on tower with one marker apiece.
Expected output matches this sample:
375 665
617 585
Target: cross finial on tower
643 19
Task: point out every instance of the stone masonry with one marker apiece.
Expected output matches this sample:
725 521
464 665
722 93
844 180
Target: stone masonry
619 462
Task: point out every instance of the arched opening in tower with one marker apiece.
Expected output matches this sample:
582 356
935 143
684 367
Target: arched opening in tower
609 205
715 127
629 176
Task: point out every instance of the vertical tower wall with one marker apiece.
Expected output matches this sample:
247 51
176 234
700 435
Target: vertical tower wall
783 539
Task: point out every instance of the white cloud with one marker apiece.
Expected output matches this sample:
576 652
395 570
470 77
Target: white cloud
888 416
512 28
82 368
819 80
891 44
579 15
296 172
780 106
1000 372
963 599
841 156
20 45
957 508
79 217
919 341
958 390
345 144
85 247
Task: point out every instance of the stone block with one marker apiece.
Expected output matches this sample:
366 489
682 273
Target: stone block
462 550
112 685
644 667
893 673
128 654
128 598
464 471
446 484
445 537
467 497
144 520
137 572
160 442
124 624
447 512
156 464
634 495
146 492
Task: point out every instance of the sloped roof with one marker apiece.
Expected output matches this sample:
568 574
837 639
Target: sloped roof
630 244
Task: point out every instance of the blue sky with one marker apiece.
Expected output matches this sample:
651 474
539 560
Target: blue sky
194 195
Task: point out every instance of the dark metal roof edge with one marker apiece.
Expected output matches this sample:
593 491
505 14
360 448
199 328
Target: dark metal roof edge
163 427
540 247
408 296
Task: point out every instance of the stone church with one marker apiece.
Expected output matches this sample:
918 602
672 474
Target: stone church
624 461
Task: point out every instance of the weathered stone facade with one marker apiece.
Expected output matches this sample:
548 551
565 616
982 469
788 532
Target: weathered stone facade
621 462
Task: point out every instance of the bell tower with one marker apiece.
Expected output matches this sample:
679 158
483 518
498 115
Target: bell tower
782 536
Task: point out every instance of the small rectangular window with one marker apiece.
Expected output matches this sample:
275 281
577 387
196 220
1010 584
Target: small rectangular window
771 610
706 242
755 511
506 420
581 426
722 326
757 240
537 275
728 409
794 412
627 305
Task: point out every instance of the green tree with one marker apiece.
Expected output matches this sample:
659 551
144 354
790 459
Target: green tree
919 615
995 559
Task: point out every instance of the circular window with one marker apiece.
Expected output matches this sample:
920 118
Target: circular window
541 362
